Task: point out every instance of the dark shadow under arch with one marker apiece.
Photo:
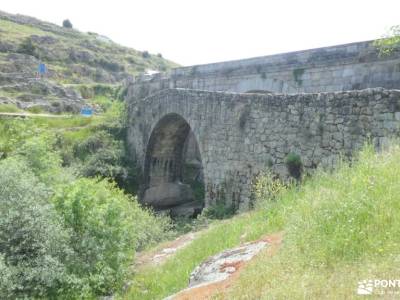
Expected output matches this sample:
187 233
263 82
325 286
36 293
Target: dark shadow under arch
173 172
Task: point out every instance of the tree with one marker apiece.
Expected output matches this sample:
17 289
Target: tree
390 42
34 245
67 24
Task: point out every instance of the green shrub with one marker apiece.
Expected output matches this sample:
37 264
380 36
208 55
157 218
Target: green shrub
104 90
86 92
294 165
104 153
35 109
101 154
107 227
99 230
39 154
13 134
28 47
390 43
104 102
101 90
115 120
10 108
218 211
90 91
151 229
121 93
92 144
33 244
103 233
266 189
105 162
111 161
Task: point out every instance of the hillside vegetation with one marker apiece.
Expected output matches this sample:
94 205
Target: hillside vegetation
69 221
338 229
76 63
71 56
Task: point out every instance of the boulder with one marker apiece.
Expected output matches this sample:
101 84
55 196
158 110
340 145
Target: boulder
187 210
168 194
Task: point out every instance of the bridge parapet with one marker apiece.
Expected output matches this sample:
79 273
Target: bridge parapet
353 66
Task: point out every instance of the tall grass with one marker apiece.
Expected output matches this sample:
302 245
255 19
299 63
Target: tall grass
339 228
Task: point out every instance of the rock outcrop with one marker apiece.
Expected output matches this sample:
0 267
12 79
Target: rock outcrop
168 194
30 93
222 265
215 273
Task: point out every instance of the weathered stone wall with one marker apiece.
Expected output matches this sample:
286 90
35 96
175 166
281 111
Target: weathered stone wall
339 68
240 135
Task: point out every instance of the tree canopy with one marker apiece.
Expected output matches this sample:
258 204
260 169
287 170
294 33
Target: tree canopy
389 42
67 23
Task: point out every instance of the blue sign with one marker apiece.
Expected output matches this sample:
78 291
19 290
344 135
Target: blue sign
42 69
87 112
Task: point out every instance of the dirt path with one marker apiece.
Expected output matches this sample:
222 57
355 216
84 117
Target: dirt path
27 115
164 251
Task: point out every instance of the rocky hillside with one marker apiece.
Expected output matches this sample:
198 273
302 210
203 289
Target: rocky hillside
73 59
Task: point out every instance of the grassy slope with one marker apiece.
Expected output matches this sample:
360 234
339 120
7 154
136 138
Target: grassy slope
159 282
57 53
338 229
75 60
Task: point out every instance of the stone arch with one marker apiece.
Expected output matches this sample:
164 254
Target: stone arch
173 168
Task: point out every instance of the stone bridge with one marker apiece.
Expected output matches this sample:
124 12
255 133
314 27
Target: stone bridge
193 145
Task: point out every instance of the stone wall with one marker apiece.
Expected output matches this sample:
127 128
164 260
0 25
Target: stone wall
240 135
339 68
